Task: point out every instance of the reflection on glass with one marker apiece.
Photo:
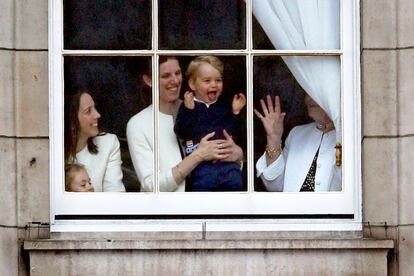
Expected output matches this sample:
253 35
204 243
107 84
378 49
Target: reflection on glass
296 25
107 25
297 130
200 24
191 160
101 95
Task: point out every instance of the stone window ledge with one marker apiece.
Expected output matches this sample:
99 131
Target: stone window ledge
45 245
209 257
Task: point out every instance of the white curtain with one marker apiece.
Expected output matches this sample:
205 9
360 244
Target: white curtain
307 25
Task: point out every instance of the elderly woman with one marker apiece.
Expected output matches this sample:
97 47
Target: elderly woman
307 162
173 167
85 144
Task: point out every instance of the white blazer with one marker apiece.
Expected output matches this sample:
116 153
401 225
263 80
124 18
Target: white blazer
140 143
104 168
288 172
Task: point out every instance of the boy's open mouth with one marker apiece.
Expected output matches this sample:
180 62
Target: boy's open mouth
211 95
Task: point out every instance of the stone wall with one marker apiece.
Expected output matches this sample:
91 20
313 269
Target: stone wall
24 160
216 257
388 126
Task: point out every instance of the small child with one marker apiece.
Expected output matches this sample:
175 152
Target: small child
77 179
204 113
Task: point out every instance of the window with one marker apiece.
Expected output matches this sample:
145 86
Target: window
285 48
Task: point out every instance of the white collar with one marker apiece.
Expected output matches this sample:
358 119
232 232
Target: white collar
207 104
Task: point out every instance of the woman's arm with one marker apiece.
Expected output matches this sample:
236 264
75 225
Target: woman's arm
112 181
272 120
139 137
272 174
141 152
218 149
271 166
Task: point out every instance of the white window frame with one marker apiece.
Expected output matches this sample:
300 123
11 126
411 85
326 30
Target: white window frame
256 211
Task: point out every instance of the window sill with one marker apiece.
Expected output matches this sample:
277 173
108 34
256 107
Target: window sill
213 257
294 244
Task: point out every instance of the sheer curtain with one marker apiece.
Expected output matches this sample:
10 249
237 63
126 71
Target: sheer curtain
307 25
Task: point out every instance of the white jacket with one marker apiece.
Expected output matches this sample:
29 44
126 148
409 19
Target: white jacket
288 172
141 148
104 168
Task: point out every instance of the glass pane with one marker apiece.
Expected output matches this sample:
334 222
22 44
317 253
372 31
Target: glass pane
107 25
208 109
296 25
115 85
307 133
200 24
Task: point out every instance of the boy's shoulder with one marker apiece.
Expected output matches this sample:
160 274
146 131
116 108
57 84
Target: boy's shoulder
223 103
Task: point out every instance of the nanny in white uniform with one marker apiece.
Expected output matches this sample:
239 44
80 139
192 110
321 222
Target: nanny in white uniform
307 162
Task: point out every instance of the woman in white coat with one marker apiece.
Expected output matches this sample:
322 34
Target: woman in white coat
307 162
85 144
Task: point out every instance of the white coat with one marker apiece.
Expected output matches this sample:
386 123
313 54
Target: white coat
104 168
288 172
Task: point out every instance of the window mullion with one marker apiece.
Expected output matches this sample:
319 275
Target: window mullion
249 71
155 97
296 52
106 53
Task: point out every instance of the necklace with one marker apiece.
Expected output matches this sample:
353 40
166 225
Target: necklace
325 127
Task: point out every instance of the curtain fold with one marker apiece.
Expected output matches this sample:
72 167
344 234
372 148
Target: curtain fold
307 25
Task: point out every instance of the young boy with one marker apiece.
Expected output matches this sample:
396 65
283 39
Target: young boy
204 112
77 179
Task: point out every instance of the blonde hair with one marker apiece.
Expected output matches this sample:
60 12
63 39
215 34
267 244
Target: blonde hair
70 170
196 62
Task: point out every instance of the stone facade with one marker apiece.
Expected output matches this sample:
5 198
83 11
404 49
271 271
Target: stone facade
218 257
387 63
388 128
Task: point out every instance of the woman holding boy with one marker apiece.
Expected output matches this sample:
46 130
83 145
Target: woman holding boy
173 167
204 111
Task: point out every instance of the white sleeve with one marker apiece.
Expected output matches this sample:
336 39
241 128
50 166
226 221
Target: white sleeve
112 181
141 152
272 175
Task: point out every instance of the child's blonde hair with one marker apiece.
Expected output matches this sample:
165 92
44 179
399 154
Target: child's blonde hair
70 170
196 62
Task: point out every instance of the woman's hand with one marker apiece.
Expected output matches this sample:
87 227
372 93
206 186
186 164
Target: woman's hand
211 149
272 120
235 153
220 149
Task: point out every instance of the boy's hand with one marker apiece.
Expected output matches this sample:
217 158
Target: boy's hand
189 100
239 101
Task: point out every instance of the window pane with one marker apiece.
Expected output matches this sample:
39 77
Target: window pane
110 24
296 25
116 87
201 24
315 131
191 125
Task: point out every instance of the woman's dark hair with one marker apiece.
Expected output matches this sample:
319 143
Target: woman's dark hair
161 60
72 127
